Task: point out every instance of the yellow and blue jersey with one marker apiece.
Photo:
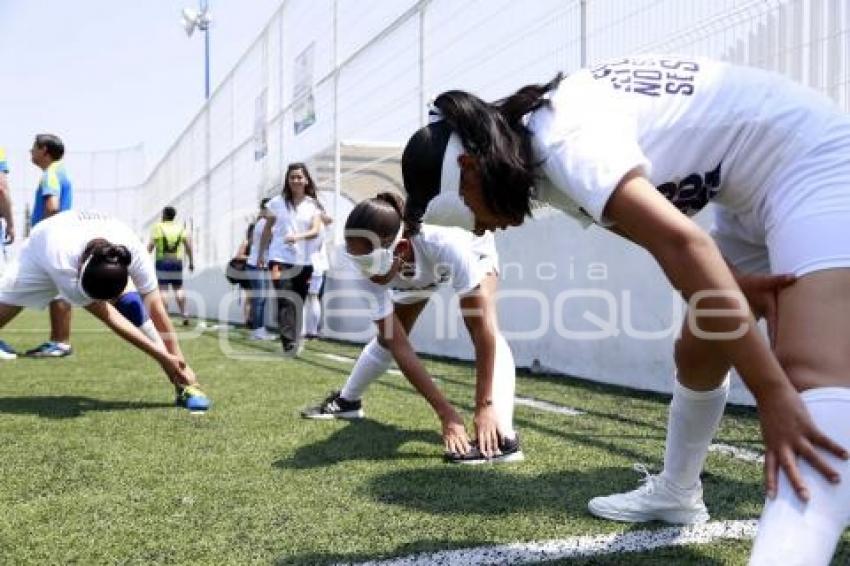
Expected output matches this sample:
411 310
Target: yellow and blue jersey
169 239
4 166
54 183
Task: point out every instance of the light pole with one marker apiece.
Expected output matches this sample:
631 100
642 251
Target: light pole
200 19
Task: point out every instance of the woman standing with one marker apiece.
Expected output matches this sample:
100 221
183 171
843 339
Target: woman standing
292 218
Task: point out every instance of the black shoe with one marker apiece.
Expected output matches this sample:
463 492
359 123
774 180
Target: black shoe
335 407
292 349
510 452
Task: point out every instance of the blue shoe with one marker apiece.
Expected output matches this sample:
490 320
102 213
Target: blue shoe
50 350
7 352
192 398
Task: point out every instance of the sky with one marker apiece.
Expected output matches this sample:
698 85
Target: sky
105 74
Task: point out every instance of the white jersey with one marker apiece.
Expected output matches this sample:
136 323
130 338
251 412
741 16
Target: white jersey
256 239
442 256
700 130
50 258
291 221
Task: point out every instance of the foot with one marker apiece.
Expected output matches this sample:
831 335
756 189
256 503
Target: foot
185 321
7 352
191 397
335 407
50 350
265 334
293 349
509 451
656 500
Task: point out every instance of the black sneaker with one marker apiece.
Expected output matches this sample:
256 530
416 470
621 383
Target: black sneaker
335 407
292 349
510 452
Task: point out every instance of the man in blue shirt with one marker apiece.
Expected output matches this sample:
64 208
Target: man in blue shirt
54 194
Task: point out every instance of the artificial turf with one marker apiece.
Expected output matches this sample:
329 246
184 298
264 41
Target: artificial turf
98 467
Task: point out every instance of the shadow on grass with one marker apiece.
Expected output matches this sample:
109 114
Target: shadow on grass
322 558
366 440
65 406
658 557
491 490
609 441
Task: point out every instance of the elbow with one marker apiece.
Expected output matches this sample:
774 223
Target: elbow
686 241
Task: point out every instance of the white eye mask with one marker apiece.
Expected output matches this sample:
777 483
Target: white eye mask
80 277
447 208
380 260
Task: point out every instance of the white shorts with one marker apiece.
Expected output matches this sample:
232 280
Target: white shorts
802 224
25 283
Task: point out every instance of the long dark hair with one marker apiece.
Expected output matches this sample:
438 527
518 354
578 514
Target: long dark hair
309 190
380 215
494 134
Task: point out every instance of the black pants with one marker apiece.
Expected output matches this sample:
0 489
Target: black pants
290 291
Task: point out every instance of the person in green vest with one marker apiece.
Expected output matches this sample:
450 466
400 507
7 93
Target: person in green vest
171 242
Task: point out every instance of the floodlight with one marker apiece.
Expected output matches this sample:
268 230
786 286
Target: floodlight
189 20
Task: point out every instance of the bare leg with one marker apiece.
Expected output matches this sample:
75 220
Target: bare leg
7 313
60 321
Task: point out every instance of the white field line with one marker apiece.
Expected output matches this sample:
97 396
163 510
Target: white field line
726 449
336 358
574 547
547 406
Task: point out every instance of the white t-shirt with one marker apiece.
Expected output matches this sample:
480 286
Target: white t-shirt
291 221
700 130
442 256
57 243
256 238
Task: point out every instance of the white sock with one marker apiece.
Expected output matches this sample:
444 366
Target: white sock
313 312
793 533
374 360
149 330
504 387
693 420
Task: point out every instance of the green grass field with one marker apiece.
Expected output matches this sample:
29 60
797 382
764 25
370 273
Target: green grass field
98 467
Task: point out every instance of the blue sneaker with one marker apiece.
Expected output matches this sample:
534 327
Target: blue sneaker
192 398
50 350
7 352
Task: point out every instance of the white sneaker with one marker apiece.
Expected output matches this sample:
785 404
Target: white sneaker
266 335
656 500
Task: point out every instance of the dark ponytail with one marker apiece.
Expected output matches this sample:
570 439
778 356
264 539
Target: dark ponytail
493 133
525 101
380 215
106 273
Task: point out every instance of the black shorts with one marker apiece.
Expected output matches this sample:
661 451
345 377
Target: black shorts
169 272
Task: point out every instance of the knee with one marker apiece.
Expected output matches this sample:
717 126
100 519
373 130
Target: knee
686 356
130 305
698 364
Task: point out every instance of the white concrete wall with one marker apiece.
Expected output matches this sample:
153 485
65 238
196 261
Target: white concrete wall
573 301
